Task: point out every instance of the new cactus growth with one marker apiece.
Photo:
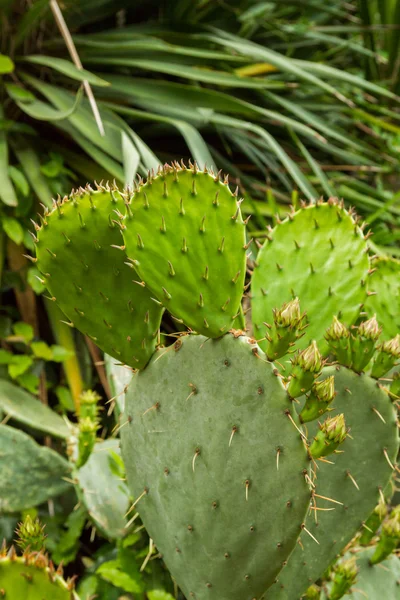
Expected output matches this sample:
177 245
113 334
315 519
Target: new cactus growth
30 535
285 331
318 401
331 434
345 575
389 538
338 339
306 367
363 343
386 359
373 522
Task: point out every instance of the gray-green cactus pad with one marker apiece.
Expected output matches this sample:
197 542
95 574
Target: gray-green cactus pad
217 464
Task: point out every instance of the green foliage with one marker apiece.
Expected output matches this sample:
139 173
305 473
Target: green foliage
30 474
384 300
222 473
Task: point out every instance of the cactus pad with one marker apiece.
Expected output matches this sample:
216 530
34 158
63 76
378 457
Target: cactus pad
317 254
354 480
385 301
32 577
186 238
89 279
217 469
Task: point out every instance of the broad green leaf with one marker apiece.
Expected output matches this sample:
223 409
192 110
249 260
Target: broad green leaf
6 357
6 64
13 229
110 571
66 68
28 410
29 382
24 331
29 474
19 93
19 365
159 595
41 350
60 354
19 180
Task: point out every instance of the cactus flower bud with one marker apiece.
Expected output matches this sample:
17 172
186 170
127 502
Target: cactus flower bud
363 343
285 331
373 522
289 314
332 432
390 538
89 404
344 576
337 331
307 365
30 534
313 593
321 395
338 338
370 329
388 354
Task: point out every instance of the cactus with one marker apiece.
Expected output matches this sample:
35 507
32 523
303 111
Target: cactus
374 582
32 576
185 236
384 295
350 486
319 255
88 277
220 466
218 471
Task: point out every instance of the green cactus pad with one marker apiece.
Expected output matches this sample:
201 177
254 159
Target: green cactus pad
219 468
32 577
375 582
103 491
363 463
317 254
385 301
186 237
89 279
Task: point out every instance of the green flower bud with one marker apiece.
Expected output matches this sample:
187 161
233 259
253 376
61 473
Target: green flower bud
390 537
306 366
30 534
388 353
325 390
332 432
337 331
370 329
289 314
392 346
87 429
89 404
309 359
313 593
373 523
344 576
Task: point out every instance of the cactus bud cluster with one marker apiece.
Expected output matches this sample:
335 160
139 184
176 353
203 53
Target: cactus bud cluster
389 539
338 338
88 425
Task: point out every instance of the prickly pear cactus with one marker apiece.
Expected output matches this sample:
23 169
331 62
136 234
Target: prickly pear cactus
349 488
32 577
88 277
217 467
317 254
384 300
185 236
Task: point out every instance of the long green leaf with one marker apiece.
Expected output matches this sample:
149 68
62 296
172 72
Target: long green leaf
7 192
31 166
66 68
45 112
